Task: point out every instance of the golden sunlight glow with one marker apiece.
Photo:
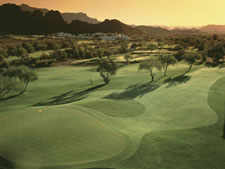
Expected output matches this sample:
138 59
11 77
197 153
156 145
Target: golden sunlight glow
148 12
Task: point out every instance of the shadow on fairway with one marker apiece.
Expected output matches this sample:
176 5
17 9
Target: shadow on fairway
139 90
224 129
177 80
6 164
69 97
100 168
133 91
224 125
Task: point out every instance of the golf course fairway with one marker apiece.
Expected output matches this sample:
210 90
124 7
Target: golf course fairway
64 121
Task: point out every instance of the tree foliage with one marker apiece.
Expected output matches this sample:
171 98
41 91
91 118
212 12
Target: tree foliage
13 77
152 46
166 61
107 68
217 51
127 57
149 65
191 58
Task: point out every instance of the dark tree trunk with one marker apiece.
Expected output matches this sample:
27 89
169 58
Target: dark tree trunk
189 68
106 78
10 97
165 71
152 76
224 129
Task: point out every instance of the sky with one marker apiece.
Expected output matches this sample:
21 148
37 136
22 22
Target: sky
141 12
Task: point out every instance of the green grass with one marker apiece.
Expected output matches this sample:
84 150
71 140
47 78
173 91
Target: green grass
39 53
201 148
46 135
67 120
116 108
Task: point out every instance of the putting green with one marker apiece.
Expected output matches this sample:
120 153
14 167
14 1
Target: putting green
54 136
121 108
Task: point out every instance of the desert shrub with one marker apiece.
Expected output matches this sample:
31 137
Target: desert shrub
59 55
180 55
67 44
21 52
29 47
3 53
177 48
12 50
40 46
53 45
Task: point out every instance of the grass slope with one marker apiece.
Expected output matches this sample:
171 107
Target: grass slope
201 148
56 136
128 124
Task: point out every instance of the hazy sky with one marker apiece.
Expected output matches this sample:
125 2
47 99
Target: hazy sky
148 12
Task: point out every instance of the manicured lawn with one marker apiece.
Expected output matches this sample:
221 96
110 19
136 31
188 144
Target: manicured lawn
70 119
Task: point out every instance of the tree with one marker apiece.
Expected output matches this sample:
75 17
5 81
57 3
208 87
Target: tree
133 46
191 58
59 55
166 61
21 52
107 68
149 65
179 55
178 48
100 52
28 46
7 85
216 52
14 77
3 53
127 57
123 47
152 46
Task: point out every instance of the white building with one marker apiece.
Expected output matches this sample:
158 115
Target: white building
99 35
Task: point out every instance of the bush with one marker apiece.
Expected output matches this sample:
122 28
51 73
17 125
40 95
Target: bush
152 46
67 44
40 46
4 64
177 48
3 53
44 56
53 46
29 47
12 50
179 55
21 52
59 55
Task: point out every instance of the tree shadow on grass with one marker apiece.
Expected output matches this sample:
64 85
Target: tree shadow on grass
171 82
224 126
69 97
224 129
133 91
100 168
6 164
139 90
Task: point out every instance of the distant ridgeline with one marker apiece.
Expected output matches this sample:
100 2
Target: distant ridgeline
15 20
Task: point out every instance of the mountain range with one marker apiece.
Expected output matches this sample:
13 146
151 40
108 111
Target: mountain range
68 17
213 29
42 21
24 19
160 30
